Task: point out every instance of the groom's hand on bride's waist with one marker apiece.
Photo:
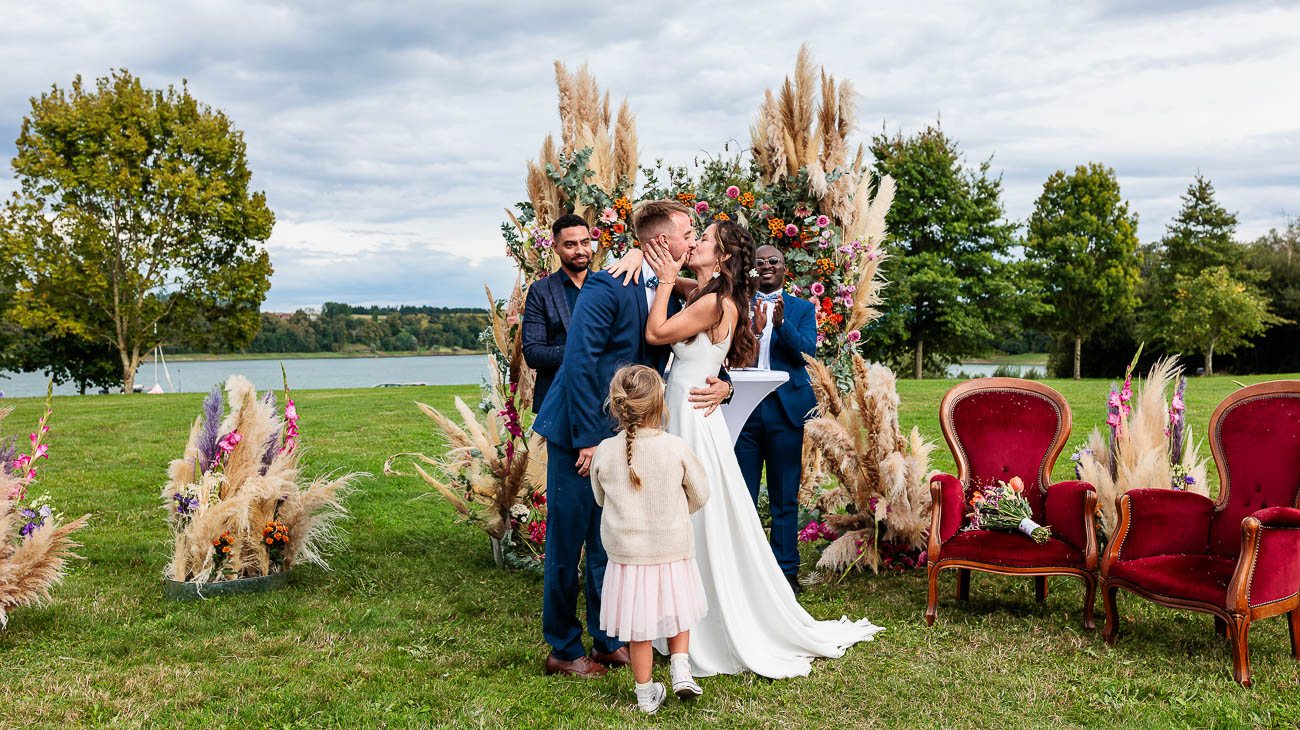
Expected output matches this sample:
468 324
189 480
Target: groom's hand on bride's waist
711 396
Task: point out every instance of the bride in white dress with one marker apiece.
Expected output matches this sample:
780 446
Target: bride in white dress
754 621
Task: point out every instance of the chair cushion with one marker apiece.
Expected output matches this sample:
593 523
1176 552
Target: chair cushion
1010 549
1201 578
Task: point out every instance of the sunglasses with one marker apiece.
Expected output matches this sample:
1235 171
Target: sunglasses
770 261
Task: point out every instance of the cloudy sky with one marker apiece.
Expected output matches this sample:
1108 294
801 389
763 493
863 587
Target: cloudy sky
388 137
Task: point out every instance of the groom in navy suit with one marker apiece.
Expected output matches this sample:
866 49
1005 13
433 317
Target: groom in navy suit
786 328
606 332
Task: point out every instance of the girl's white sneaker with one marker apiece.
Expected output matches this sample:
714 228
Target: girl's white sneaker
650 698
684 685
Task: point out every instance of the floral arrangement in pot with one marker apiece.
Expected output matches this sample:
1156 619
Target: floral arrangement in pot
235 500
35 541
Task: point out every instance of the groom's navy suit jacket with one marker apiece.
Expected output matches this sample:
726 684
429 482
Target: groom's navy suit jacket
606 332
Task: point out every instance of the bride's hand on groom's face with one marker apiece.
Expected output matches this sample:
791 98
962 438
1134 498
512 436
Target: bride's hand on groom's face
661 260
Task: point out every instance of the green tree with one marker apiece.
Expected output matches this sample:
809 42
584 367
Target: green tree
1202 235
949 278
1082 242
134 224
1274 259
1212 312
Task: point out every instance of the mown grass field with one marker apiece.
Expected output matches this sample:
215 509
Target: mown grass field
415 627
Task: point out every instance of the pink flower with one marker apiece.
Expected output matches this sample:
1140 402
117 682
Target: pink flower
823 221
733 192
1178 403
291 411
595 233
1113 402
817 289
608 215
796 290
701 206
853 336
42 452
791 230
229 441
1126 394
1113 420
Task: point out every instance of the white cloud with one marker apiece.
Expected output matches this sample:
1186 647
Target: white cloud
389 137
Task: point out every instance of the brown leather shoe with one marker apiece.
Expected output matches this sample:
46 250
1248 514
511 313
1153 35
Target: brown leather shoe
581 667
620 657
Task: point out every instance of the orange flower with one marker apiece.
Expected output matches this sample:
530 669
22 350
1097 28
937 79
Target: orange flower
1018 484
618 228
686 198
269 541
225 549
775 227
722 217
976 498
747 199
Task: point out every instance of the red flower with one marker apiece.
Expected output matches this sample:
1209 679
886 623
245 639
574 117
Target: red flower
618 227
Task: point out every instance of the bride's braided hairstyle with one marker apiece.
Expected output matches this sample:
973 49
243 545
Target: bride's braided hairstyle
636 399
734 282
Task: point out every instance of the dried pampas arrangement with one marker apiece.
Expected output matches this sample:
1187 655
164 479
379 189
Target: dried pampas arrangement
883 491
491 474
1145 445
235 500
35 542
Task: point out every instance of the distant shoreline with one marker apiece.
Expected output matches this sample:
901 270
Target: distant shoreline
202 357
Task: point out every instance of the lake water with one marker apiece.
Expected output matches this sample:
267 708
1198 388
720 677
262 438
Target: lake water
304 374
313 373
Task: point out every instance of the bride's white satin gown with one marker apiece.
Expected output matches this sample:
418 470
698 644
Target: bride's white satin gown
754 622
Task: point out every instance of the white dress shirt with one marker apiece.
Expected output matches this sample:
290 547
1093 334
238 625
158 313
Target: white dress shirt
765 339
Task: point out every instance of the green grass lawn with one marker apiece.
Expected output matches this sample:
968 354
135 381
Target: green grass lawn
415 627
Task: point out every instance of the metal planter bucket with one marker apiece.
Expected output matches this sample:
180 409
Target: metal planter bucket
186 591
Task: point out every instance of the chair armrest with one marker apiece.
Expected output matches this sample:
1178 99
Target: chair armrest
1071 511
1159 522
1267 569
948 513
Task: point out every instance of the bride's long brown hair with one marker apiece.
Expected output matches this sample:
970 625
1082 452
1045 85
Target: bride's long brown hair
734 282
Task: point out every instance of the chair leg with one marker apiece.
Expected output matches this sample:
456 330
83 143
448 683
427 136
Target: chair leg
932 603
963 584
1040 588
1239 632
1111 631
1293 623
1221 627
1090 584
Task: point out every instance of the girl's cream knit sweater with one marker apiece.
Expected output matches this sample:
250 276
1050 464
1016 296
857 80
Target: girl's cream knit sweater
650 525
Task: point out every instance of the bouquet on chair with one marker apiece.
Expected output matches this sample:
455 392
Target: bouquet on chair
1004 507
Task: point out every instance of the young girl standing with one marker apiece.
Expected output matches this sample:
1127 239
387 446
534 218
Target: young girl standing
649 483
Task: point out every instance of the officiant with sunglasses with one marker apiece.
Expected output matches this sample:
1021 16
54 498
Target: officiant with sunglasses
786 327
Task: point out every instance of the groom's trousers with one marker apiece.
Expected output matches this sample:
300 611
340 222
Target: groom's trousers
770 439
572 521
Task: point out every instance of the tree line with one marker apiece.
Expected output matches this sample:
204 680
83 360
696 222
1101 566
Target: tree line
965 280
342 327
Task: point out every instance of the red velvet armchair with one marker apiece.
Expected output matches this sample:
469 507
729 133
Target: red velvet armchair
1237 558
999 428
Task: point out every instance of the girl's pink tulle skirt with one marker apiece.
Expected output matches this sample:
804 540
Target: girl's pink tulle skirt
645 602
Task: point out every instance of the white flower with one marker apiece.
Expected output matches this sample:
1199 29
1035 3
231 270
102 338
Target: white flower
519 511
753 273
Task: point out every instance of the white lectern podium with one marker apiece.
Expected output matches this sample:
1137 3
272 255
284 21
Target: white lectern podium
752 386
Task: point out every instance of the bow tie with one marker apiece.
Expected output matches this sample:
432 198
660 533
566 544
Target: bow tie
773 297
652 282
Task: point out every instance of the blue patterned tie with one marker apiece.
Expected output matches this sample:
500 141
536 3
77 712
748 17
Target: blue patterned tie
652 282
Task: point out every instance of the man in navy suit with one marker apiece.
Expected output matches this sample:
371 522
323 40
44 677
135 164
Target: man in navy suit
606 332
550 303
786 327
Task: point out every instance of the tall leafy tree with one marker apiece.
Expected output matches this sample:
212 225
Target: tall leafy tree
134 224
1082 242
949 243
1212 312
1274 260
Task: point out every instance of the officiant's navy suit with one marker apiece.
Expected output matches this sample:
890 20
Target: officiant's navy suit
774 431
606 332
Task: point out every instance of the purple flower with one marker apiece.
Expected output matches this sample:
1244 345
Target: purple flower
211 429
